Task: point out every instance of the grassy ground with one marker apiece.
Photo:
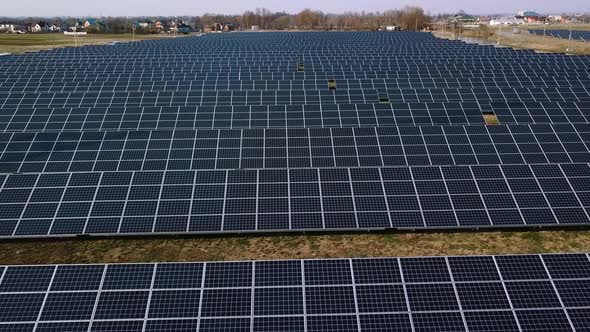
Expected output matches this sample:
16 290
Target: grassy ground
290 247
524 40
12 43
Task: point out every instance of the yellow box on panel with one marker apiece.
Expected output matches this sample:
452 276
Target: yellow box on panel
490 118
332 84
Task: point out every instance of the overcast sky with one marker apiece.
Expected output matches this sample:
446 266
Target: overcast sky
199 7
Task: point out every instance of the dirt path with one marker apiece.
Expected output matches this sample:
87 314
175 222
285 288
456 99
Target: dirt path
290 247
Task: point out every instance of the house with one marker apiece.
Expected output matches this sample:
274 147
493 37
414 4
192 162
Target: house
94 25
144 25
392 28
89 22
556 18
535 19
34 27
220 27
72 25
255 28
172 26
44 27
39 27
531 17
9 27
527 13
159 26
181 27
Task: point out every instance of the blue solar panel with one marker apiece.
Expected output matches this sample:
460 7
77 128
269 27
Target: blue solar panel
564 34
470 293
298 199
273 132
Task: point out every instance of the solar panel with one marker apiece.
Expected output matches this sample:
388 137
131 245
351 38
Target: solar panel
469 293
287 116
293 148
272 132
563 34
369 198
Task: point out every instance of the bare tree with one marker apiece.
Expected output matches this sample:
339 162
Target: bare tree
408 18
309 19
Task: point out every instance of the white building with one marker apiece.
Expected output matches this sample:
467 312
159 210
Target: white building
507 21
392 28
6 27
36 28
555 18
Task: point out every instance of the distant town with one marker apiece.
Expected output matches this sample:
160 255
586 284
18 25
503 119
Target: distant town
95 25
409 18
524 17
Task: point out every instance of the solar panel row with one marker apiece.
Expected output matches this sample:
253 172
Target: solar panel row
303 97
106 118
293 148
107 83
480 293
564 34
57 204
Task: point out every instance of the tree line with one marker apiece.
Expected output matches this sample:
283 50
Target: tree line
408 18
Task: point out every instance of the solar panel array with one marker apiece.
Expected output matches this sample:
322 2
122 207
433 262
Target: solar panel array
470 293
252 132
579 35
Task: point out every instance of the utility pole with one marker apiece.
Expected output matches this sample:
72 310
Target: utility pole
544 29
75 31
569 43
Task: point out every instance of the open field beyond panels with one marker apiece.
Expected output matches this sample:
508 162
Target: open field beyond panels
16 43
